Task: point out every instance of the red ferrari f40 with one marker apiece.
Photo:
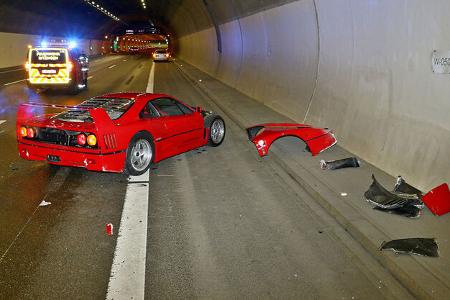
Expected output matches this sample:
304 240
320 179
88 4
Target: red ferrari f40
115 132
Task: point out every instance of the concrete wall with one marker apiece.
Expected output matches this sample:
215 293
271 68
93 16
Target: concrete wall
360 67
13 47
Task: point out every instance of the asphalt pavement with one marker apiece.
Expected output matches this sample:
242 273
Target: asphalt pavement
222 222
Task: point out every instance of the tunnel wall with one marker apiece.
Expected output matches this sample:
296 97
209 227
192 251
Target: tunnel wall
13 47
362 68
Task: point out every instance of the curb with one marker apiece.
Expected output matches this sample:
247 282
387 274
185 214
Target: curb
322 194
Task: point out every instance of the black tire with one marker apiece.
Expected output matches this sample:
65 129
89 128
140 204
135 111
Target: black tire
210 121
133 166
73 88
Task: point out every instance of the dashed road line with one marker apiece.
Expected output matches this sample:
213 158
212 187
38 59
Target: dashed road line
2 121
90 77
113 66
151 79
14 82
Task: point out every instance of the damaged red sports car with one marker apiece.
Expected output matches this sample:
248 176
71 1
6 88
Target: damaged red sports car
115 132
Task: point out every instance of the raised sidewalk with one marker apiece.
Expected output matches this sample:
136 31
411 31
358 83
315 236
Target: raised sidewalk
425 277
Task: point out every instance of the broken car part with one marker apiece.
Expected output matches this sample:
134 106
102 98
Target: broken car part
381 197
409 211
438 200
316 139
418 246
351 162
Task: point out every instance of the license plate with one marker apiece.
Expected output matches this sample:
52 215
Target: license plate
53 158
48 71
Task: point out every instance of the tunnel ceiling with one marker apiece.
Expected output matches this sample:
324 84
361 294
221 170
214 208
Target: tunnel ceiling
78 18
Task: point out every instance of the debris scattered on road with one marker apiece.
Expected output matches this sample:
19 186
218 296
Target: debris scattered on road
317 140
109 229
438 200
45 203
351 162
417 246
396 202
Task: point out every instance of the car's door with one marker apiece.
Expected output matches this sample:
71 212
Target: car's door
182 126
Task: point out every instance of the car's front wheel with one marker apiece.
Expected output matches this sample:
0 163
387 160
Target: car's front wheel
140 154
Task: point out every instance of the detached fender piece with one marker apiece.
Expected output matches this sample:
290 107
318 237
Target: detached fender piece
316 139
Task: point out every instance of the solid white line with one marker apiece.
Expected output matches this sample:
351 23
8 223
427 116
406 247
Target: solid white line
151 79
10 71
127 278
113 66
14 82
2 121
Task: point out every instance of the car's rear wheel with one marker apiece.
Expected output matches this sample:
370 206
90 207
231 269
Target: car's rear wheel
217 130
140 154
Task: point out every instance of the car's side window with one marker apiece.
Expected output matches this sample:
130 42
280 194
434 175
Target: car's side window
185 109
149 112
167 107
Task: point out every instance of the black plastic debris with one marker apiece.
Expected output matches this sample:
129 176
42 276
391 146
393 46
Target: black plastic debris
405 200
409 211
351 162
404 188
417 246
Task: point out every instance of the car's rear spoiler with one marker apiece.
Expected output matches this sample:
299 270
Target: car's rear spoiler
103 123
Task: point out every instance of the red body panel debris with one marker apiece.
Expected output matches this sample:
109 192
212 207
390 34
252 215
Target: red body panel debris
438 200
316 139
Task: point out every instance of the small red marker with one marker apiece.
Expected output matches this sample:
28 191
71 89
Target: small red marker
109 229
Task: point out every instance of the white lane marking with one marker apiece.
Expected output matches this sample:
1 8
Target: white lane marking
113 66
127 279
2 121
14 82
10 71
125 59
90 77
151 79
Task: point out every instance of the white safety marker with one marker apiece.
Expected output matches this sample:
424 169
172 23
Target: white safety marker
14 82
113 66
2 121
127 278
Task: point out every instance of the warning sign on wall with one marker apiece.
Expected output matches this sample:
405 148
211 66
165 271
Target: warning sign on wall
441 62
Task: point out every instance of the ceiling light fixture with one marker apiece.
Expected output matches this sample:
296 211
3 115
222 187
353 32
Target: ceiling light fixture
144 5
101 9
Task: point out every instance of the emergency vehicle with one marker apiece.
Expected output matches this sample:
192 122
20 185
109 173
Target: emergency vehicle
57 65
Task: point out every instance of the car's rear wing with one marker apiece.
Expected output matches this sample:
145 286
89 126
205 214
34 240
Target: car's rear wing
40 114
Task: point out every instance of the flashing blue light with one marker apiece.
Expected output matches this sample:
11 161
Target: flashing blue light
72 44
44 44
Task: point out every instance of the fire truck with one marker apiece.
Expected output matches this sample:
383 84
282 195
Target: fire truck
57 65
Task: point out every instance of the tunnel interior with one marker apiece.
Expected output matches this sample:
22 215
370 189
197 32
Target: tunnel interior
362 68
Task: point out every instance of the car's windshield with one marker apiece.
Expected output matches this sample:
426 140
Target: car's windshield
48 56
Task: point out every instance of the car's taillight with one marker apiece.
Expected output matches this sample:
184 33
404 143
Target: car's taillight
31 133
92 140
81 139
23 131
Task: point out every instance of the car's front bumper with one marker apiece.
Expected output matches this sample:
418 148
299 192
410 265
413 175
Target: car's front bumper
114 162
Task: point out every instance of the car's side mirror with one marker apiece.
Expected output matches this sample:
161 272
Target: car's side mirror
198 109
